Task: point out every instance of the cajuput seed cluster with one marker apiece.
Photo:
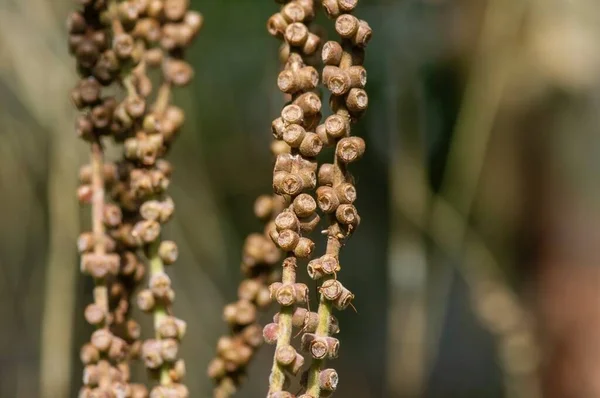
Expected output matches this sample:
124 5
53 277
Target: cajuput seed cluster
294 177
345 78
117 45
259 257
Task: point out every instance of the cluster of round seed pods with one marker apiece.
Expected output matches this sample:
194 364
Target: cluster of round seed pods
235 350
345 78
119 42
294 178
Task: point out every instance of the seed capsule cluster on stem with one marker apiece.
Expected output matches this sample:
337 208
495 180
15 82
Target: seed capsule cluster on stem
119 44
259 257
345 78
295 178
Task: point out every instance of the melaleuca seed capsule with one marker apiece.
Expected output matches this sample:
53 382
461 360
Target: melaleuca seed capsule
328 379
145 300
168 252
304 205
286 220
285 355
304 248
350 149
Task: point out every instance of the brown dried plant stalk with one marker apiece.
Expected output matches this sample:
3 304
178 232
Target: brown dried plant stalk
114 43
345 78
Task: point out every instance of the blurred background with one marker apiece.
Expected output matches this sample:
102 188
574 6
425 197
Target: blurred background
475 266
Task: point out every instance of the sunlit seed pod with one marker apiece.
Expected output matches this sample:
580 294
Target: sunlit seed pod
346 25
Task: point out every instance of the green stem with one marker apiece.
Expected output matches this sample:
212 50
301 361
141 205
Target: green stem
284 337
160 311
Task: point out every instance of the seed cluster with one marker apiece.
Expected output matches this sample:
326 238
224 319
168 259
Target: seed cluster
118 43
259 256
345 78
294 177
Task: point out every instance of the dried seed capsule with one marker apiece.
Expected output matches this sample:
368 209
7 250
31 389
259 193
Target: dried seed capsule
150 210
145 300
332 8
326 174
271 333
151 353
123 45
311 145
357 100
284 294
296 34
309 103
331 289
276 25
314 269
216 368
304 248
303 79
287 183
358 76
350 149
328 379
344 299
94 314
285 355
146 231
293 12
168 252
329 264
293 135
89 354
174 10
284 162
177 372
91 375
245 313
101 339
301 292
118 349
248 289
178 72
304 205
363 35
347 214
292 114
311 45
346 193
346 25
336 79
112 216
327 199
332 53
169 350
287 240
160 285
286 220
315 345
336 126
307 224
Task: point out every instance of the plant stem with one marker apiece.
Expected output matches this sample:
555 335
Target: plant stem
97 161
284 337
334 244
160 311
